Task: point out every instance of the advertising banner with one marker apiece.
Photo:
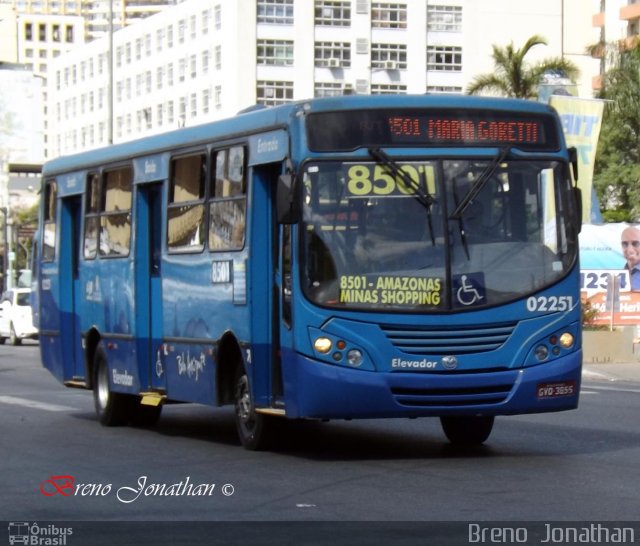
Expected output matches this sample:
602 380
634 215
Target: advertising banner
581 121
610 272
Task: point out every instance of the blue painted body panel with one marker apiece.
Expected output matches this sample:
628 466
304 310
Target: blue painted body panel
318 390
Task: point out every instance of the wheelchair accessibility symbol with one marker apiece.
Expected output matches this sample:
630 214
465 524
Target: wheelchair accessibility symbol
469 289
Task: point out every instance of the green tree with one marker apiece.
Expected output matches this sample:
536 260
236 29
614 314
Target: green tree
617 167
513 77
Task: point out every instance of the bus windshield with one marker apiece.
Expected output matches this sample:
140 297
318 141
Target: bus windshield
436 235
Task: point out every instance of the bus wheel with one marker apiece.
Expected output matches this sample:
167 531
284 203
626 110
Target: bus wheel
112 408
254 429
467 430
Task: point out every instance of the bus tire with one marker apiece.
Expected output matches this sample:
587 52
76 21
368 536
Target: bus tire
467 430
112 408
254 430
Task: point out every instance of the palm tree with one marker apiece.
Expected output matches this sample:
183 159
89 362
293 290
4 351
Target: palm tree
513 78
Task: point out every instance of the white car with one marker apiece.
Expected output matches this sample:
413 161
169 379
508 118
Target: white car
16 320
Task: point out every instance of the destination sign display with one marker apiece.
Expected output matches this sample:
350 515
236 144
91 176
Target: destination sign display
348 130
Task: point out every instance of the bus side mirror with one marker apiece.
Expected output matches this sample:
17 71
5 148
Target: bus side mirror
577 195
287 202
573 157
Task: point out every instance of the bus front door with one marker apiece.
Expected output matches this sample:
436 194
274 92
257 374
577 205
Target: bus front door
148 280
71 291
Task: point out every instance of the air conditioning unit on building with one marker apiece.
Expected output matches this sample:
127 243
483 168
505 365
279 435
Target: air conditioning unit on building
390 65
333 63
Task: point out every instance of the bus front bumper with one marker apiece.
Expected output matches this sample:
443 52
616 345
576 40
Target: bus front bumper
317 390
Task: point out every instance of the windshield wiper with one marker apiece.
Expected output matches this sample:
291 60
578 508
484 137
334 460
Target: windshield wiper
480 182
424 198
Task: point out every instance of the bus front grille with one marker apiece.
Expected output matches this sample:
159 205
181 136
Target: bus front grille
451 397
456 340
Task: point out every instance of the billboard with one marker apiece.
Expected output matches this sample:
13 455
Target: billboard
610 272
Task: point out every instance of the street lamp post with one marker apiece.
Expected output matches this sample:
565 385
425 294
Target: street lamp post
110 67
5 259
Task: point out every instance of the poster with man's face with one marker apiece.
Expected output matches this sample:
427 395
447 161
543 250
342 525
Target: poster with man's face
610 272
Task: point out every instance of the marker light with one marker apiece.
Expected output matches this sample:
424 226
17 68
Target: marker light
354 357
322 345
566 340
541 352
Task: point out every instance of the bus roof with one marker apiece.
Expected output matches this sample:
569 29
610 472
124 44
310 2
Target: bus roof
258 119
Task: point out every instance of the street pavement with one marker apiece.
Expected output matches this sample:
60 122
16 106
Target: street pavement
612 371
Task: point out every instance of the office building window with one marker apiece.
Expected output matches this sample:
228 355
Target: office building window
444 89
275 52
388 15
444 18
388 89
333 54
159 39
333 13
205 61
389 56
444 58
206 21
279 12
272 93
328 89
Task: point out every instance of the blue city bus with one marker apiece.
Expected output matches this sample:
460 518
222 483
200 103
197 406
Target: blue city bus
335 258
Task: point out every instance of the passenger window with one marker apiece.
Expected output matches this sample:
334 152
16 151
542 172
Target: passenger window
186 228
227 208
49 224
92 217
115 218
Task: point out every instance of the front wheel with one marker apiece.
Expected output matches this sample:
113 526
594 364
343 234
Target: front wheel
15 340
112 408
254 430
467 430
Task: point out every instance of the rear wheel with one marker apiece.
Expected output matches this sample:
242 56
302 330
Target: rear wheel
467 430
112 408
254 430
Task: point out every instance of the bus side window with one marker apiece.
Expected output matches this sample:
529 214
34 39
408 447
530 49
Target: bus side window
92 216
50 217
227 208
186 204
115 219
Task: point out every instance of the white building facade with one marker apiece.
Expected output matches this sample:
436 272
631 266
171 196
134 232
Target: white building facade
207 59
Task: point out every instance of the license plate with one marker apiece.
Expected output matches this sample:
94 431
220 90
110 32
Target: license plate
556 390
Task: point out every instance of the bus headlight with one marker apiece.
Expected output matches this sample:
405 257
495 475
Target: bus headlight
354 357
541 352
322 345
566 340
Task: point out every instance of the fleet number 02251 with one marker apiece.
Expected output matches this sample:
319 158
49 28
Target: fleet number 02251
549 304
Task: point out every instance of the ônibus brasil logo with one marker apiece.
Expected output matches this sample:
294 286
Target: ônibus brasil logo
35 534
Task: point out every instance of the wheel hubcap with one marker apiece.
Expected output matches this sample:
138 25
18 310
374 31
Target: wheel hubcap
103 387
244 406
